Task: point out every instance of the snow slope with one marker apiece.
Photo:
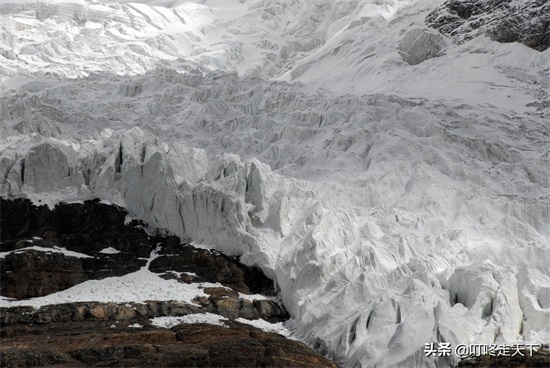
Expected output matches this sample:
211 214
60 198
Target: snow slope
393 204
139 286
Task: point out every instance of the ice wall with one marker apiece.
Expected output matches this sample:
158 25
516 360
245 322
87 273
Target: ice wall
386 222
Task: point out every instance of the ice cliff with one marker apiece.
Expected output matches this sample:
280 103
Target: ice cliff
394 184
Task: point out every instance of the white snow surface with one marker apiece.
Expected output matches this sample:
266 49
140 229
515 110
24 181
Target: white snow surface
393 204
278 327
216 319
139 286
171 321
109 250
56 249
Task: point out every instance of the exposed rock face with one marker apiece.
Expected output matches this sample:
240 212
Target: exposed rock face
82 344
45 251
539 359
138 312
226 302
209 266
88 229
253 347
527 22
34 273
227 306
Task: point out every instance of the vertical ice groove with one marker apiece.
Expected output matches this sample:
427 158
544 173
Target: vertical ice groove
119 159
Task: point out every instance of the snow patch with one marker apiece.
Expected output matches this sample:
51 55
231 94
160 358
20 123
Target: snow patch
139 286
170 321
109 250
277 328
55 249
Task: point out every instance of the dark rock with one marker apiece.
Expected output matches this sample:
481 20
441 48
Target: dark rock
221 293
30 357
226 302
15 315
539 359
88 343
528 27
227 306
100 334
31 273
269 310
92 311
210 266
109 265
89 228
504 21
246 346
34 273
85 228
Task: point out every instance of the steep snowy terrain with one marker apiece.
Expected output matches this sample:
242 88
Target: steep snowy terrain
393 183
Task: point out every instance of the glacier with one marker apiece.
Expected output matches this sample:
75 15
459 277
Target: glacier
394 184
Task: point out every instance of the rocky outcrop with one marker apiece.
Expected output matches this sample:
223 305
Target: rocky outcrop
77 236
254 348
199 265
88 229
34 273
539 359
527 22
83 344
226 302
230 307
44 251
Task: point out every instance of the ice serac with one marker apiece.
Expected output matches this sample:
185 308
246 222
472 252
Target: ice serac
394 197
44 167
51 166
420 45
162 187
372 252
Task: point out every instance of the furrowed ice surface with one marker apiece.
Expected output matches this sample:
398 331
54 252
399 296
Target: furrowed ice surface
386 222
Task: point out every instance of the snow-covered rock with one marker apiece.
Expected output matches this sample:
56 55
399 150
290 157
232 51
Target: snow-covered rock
526 21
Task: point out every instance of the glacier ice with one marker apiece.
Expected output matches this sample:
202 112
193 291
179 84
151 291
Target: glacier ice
420 45
293 142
